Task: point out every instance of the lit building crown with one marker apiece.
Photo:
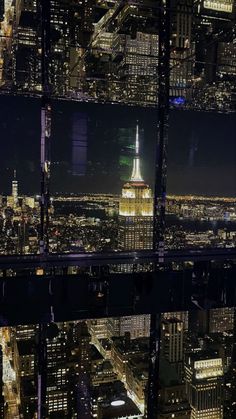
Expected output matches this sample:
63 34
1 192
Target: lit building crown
136 173
136 199
135 209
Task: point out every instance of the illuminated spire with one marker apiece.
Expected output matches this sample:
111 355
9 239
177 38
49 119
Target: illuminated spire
15 189
136 173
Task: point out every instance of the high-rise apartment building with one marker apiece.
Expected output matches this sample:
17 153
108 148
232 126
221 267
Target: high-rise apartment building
204 384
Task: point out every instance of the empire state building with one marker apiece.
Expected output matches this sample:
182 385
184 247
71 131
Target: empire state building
135 233
136 209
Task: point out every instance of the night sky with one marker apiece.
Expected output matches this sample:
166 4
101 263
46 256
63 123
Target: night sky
201 154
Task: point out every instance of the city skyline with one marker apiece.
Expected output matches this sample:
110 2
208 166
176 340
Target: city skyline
117 293
199 163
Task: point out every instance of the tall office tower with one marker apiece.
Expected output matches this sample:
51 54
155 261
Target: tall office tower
26 67
204 384
83 372
136 61
23 344
221 320
233 371
70 24
172 343
173 402
226 60
123 60
1 385
6 43
14 190
98 328
57 374
182 47
82 23
230 381
60 46
214 22
135 209
23 236
68 371
180 315
137 326
26 350
135 232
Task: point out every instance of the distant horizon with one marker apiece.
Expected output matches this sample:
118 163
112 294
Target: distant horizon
168 196
92 148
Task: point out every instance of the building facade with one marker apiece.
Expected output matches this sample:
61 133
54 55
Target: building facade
204 383
135 209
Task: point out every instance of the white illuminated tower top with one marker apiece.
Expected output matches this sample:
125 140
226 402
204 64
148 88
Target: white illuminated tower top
135 209
136 173
136 196
15 189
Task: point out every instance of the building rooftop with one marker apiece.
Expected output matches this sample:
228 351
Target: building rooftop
119 408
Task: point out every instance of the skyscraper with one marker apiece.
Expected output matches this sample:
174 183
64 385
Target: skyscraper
221 319
204 383
1 385
137 61
172 343
213 31
230 381
26 65
182 47
137 326
173 401
135 232
15 190
136 209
